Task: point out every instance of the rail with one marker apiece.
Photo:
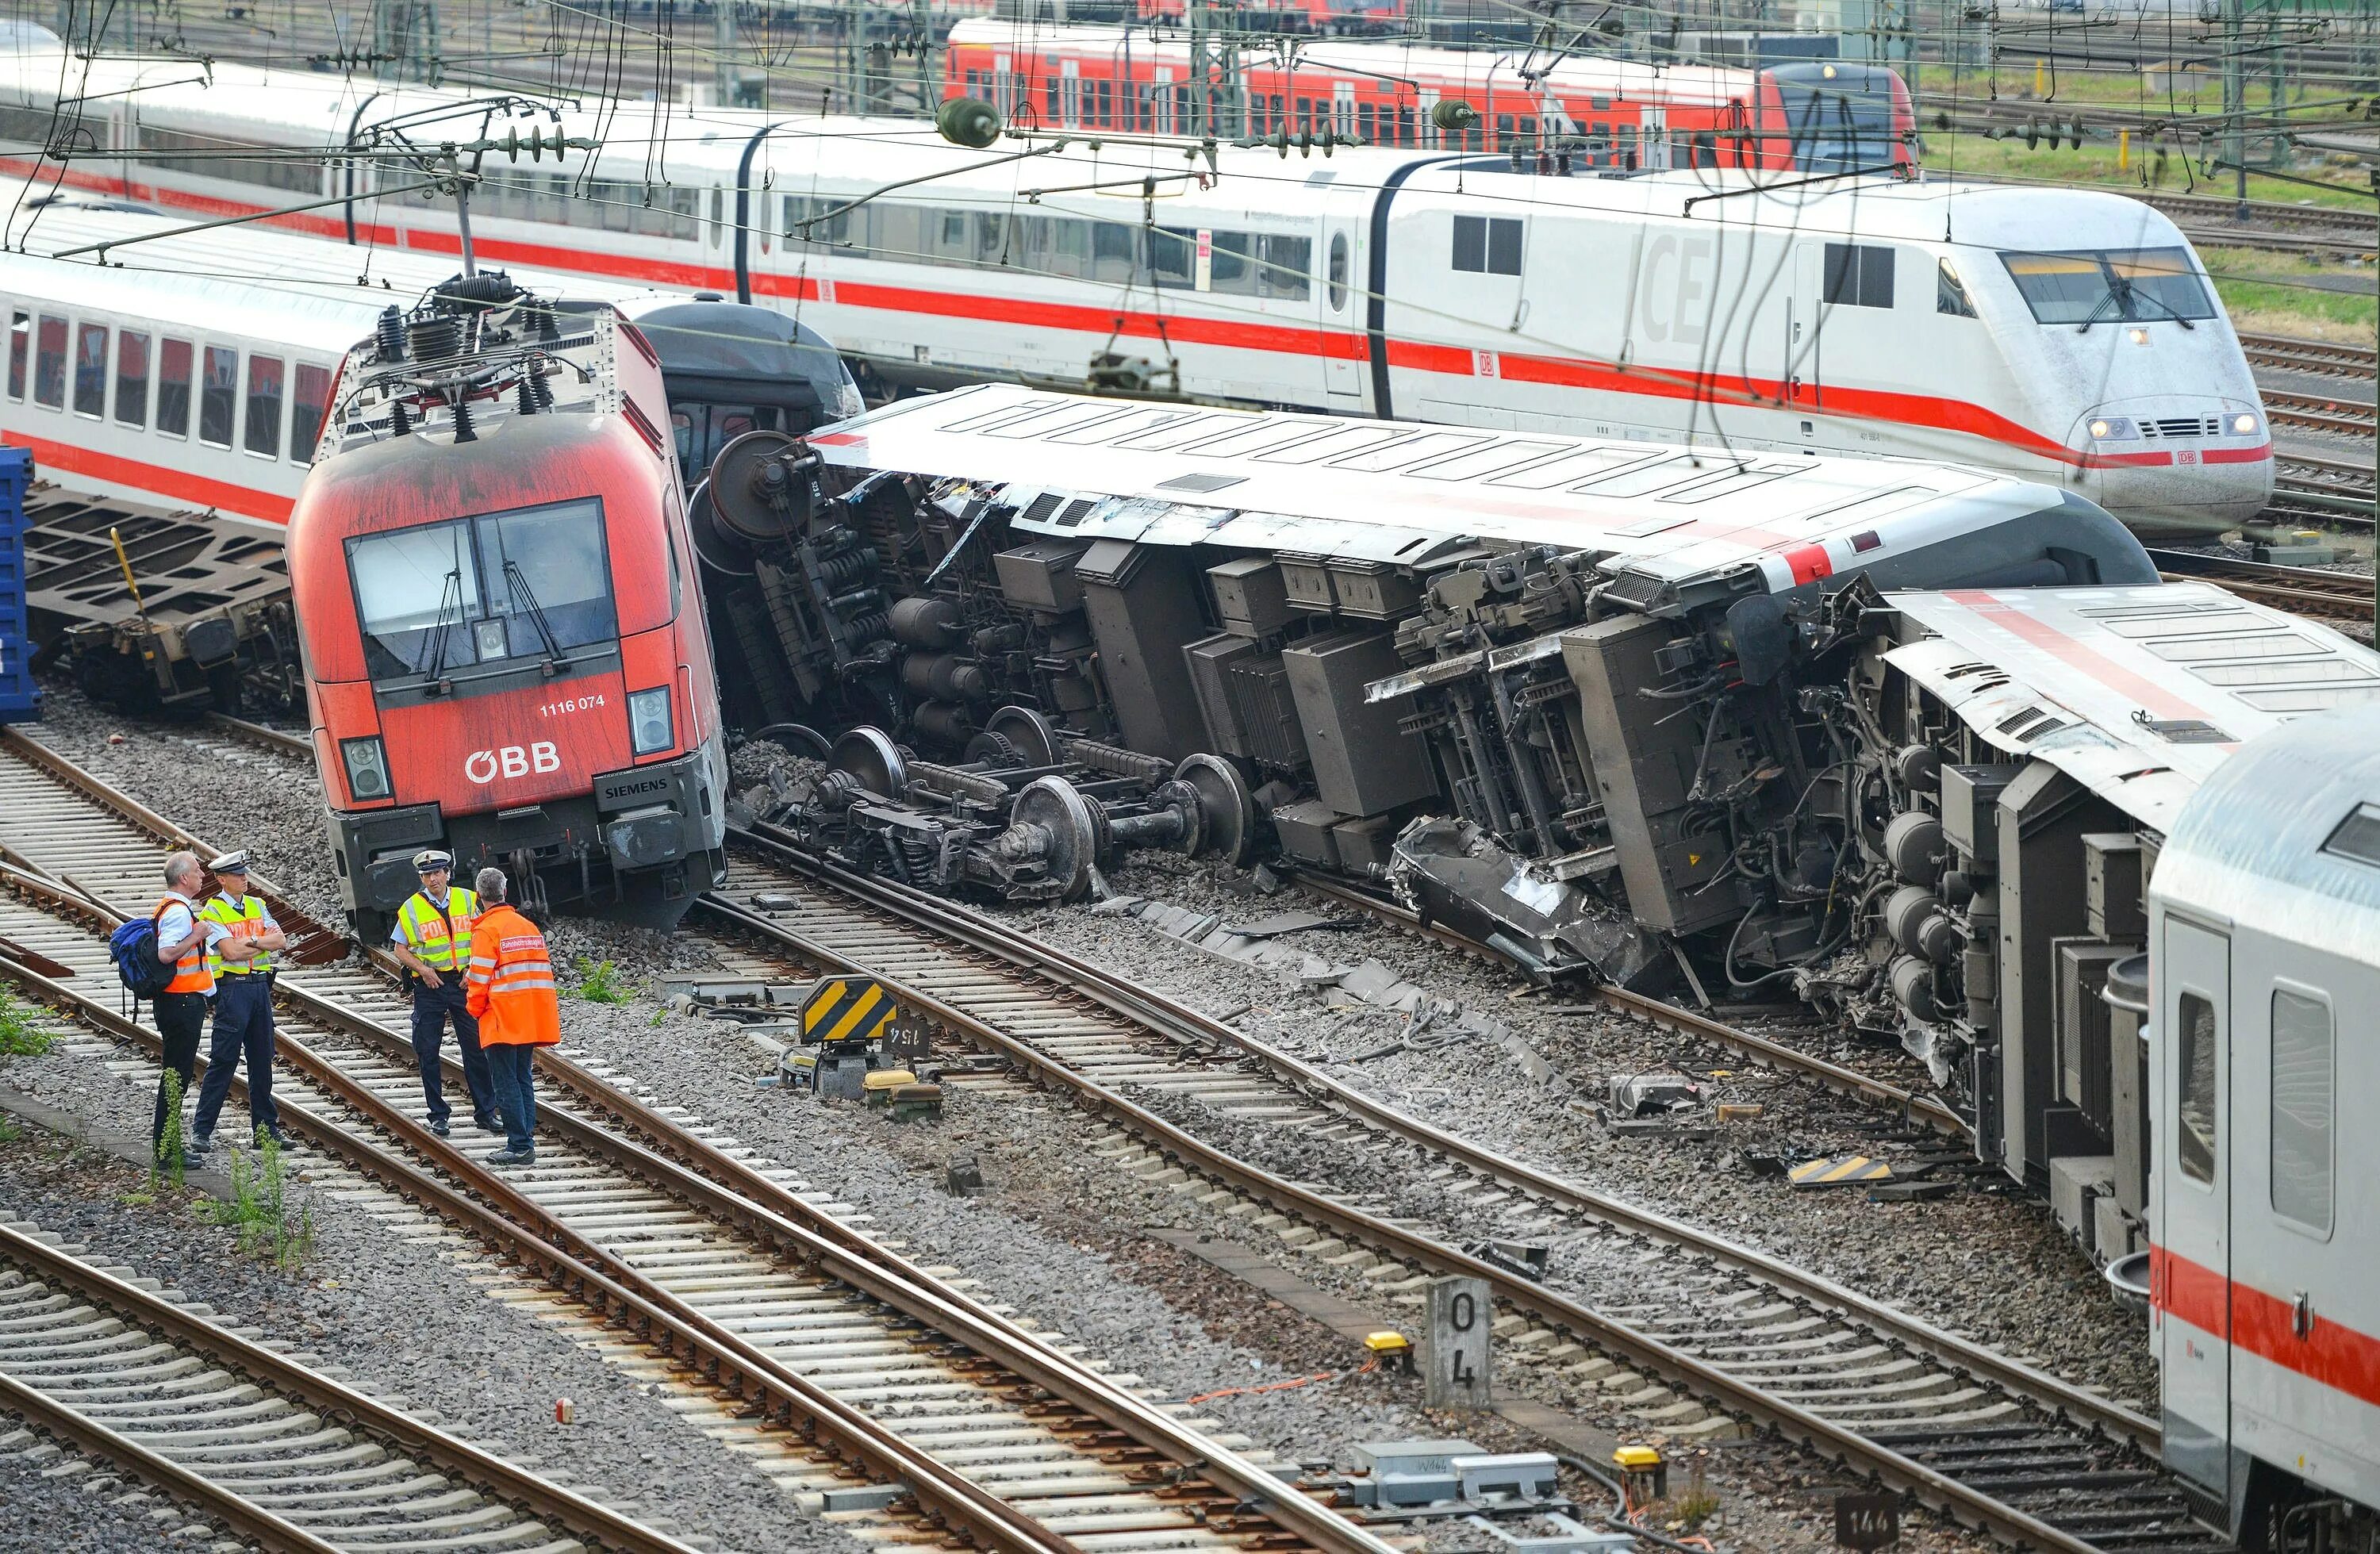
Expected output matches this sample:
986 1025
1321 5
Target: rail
1068 974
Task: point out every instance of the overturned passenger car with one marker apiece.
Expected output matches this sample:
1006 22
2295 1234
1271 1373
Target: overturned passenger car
1761 725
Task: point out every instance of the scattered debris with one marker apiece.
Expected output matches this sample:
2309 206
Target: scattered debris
1527 1258
1651 1094
963 1177
1740 1112
1910 1192
1281 923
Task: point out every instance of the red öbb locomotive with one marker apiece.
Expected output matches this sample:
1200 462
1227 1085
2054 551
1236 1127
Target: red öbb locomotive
502 630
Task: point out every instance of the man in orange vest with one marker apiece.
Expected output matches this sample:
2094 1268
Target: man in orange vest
509 990
181 1009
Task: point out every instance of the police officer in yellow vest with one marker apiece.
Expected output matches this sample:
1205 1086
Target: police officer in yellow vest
242 939
432 940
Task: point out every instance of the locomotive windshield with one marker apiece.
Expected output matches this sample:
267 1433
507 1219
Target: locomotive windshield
532 583
2111 285
1839 116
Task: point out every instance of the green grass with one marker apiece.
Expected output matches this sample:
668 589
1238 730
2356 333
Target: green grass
260 1209
596 984
20 1036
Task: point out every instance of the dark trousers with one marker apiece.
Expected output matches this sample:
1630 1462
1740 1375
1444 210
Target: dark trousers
516 1092
181 1020
243 1028
432 1009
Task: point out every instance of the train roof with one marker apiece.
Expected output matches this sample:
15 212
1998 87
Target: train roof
1402 494
2143 695
2285 839
250 278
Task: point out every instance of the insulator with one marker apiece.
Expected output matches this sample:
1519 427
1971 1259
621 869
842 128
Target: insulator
542 389
400 424
525 398
436 338
463 430
867 628
925 623
388 333
488 288
547 324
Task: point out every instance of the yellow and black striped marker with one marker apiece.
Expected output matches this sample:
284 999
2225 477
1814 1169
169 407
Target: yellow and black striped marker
846 1009
1838 1171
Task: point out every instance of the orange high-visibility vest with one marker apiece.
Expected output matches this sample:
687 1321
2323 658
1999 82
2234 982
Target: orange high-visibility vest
509 988
191 973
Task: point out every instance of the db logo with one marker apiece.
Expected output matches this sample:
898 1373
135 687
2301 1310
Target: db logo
482 766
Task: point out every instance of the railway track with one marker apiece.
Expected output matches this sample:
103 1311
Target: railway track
2304 590
954 1420
254 1440
1982 1437
1698 1321
2311 412
2332 358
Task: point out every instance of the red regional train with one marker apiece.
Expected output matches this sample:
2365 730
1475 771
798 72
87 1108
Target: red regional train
500 612
1819 115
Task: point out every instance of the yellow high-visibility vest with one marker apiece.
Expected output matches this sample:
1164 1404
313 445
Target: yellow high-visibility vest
440 939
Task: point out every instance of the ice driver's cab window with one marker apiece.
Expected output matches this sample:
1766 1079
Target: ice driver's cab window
2130 286
498 591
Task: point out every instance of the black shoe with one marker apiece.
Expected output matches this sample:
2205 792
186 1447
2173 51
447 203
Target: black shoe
509 1156
488 1125
198 1145
438 1125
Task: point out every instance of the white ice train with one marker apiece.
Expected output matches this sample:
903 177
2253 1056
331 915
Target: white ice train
193 371
2067 336
2264 934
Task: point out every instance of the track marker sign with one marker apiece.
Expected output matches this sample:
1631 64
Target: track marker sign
841 1009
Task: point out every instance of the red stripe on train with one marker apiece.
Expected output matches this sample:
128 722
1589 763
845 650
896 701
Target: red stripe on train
175 484
2265 1326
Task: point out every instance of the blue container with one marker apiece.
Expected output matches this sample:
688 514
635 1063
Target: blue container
21 698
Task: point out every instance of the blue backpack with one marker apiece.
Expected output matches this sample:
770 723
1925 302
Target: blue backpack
133 948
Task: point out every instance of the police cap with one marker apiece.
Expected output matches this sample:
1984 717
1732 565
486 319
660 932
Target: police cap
429 858
230 863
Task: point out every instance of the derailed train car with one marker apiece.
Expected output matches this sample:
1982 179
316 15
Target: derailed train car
1899 740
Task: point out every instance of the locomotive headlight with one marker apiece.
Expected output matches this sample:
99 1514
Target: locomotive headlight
2112 429
367 764
2243 425
650 731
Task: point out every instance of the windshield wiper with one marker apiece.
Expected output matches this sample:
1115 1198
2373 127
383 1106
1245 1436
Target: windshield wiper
2153 298
522 591
450 597
2120 292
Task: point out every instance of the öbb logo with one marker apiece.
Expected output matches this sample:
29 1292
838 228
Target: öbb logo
513 761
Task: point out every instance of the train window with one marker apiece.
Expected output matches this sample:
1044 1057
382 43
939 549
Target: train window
309 396
1115 252
897 232
1405 127
991 231
2304 1093
1337 278
132 377
1488 245
218 395
1950 292
20 347
685 222
173 387
50 363
1228 267
1858 275
1286 268
1105 112
91 370
1173 258
265 383
1503 132
2357 837
2195 1093
718 214
2134 284
546 577
532 582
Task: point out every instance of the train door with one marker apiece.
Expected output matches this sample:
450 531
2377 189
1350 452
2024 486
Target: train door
1345 364
1070 93
1805 331
1652 139
2192 1212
